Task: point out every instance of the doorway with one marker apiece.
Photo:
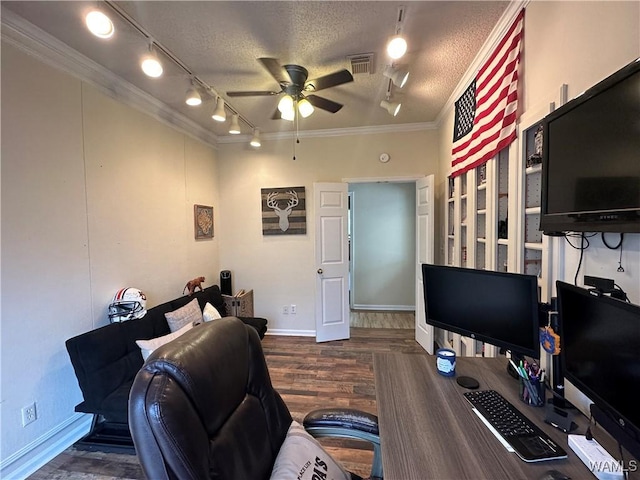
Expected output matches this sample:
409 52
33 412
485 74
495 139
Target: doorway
381 232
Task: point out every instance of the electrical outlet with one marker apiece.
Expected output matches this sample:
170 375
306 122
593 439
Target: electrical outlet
285 309
293 309
29 414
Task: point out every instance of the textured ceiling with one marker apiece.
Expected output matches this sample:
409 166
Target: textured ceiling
220 42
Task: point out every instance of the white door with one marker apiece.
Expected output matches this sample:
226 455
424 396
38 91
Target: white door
424 254
332 261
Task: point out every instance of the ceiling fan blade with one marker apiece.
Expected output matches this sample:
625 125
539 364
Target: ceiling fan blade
323 103
327 81
251 93
276 70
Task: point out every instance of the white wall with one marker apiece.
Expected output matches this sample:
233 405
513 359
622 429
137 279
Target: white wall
281 269
95 196
578 44
383 237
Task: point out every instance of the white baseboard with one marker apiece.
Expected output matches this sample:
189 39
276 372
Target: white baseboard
386 308
291 333
45 448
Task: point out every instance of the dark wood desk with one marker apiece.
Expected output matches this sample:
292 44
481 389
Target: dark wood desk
429 431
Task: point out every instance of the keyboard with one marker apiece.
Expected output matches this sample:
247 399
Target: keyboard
529 442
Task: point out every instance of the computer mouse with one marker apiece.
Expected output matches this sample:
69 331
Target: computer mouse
554 475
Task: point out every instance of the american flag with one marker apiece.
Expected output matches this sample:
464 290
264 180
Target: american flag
485 114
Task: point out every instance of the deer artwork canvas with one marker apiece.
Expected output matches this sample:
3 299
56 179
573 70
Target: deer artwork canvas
284 211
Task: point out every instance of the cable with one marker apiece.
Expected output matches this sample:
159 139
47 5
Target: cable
584 244
604 240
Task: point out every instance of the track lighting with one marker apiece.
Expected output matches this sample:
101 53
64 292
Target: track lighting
193 97
397 47
255 140
99 24
391 107
305 108
398 77
150 64
234 127
219 115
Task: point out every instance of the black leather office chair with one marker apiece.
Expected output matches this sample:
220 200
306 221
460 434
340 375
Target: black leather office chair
203 406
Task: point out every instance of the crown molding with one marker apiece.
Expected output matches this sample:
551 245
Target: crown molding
499 30
51 51
334 132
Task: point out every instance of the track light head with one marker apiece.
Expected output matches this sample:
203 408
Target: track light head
255 140
99 24
396 47
150 64
193 97
219 115
398 76
234 127
391 107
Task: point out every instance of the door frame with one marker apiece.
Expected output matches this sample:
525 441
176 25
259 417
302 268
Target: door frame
405 179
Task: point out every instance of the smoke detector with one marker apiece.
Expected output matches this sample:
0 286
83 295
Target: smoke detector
361 63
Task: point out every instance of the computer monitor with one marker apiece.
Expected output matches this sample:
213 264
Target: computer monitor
499 308
600 349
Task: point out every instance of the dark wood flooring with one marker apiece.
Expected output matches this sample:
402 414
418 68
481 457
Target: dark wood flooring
307 374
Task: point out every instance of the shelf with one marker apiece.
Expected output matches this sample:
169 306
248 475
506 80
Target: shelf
482 211
481 240
533 246
482 186
451 200
532 211
503 241
535 169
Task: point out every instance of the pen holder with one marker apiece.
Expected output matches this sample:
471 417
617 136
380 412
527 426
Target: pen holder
532 392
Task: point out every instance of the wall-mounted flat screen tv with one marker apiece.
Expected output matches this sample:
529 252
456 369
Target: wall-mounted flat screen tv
591 159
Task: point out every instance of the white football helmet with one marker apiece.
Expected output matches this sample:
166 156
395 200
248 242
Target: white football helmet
127 304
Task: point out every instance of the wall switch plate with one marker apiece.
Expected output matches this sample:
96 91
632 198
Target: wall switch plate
285 309
293 309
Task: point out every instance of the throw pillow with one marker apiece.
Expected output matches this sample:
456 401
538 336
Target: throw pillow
210 313
148 346
190 313
301 457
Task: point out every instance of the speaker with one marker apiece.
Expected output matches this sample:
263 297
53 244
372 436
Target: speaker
225 282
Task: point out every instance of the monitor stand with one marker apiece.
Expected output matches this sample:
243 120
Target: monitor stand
467 382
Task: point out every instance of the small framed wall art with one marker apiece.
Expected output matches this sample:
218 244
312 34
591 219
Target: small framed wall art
203 221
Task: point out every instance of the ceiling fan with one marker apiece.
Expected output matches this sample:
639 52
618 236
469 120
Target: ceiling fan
294 84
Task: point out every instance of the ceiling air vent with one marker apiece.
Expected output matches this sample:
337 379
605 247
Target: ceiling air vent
361 63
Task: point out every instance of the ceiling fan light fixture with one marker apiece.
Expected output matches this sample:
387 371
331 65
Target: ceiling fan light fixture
219 115
396 47
234 127
305 108
288 115
150 64
193 97
285 104
392 107
255 140
398 76
99 24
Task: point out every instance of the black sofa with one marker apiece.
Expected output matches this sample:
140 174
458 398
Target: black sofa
106 361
